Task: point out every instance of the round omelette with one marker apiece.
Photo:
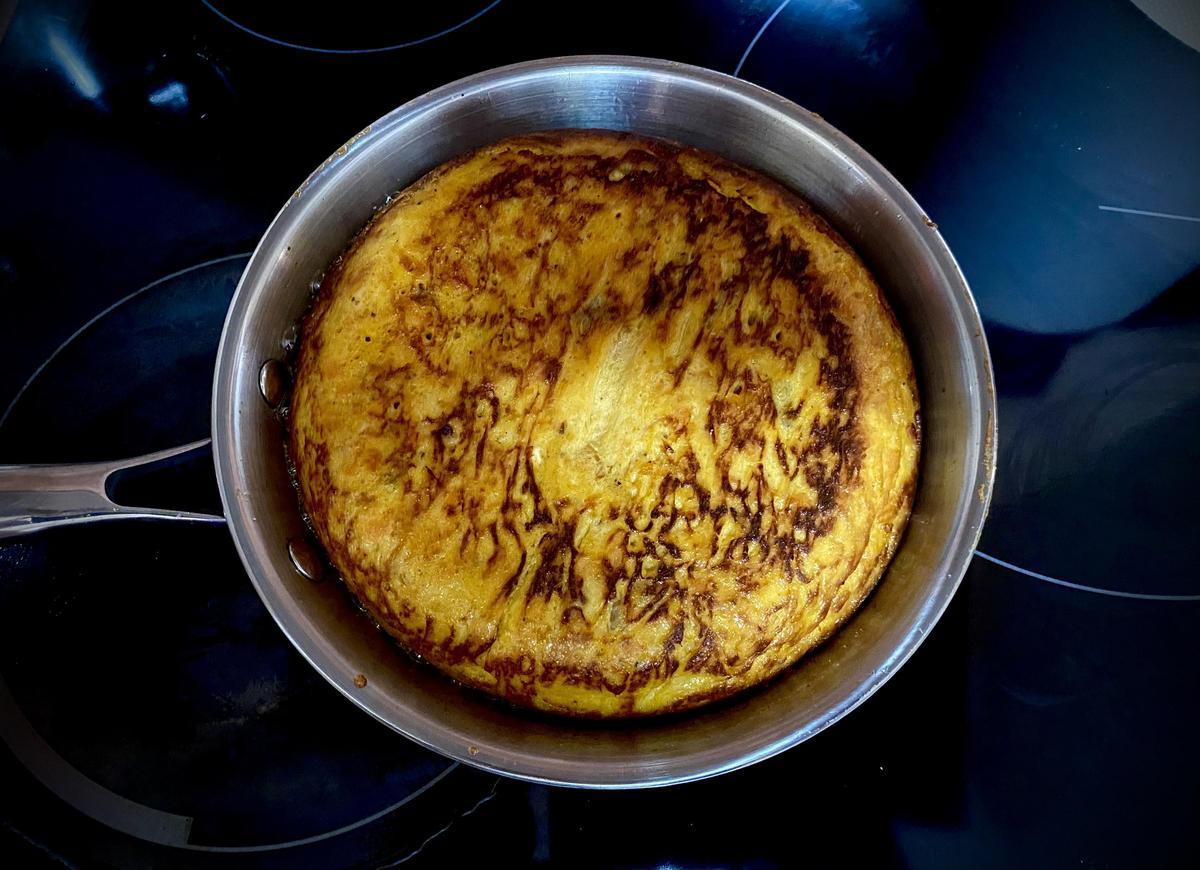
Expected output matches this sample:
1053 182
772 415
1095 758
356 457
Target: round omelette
604 425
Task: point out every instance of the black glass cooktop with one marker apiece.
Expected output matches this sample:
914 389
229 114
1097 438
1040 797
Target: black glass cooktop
153 715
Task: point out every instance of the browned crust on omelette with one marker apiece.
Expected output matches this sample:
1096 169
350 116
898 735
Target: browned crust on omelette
604 425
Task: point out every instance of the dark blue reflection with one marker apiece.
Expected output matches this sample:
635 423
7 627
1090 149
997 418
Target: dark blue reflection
1081 108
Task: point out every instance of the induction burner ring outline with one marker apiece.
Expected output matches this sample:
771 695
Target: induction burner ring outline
450 824
737 70
101 803
1097 590
138 820
212 7
96 318
1141 212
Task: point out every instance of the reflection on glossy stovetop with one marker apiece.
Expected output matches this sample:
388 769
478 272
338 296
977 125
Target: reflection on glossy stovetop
1049 719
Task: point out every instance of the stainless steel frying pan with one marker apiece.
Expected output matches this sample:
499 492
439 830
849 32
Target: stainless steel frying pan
748 125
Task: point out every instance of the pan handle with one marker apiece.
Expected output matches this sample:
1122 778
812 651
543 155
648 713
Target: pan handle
35 497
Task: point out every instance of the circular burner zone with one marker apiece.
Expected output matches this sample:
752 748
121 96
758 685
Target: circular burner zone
309 26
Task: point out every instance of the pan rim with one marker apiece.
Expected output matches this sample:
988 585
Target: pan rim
530 767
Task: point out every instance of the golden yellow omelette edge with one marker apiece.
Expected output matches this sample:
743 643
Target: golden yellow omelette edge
604 425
